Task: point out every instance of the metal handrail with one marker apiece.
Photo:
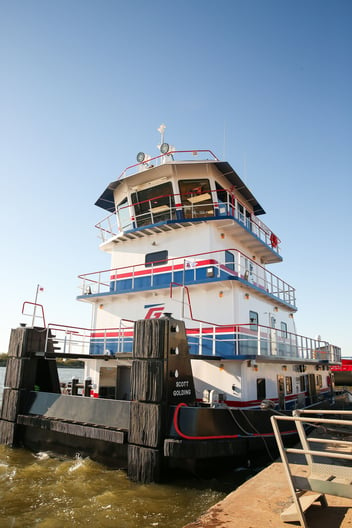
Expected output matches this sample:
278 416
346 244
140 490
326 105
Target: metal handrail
245 268
165 158
33 315
263 341
322 477
113 225
77 340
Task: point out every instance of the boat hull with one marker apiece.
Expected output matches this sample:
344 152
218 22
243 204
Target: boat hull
196 437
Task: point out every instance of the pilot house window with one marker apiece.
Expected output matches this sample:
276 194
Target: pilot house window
123 215
196 198
154 204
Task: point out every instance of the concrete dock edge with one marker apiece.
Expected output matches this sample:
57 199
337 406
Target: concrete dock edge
259 502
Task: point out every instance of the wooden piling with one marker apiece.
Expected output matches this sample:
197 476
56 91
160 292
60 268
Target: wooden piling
27 369
160 361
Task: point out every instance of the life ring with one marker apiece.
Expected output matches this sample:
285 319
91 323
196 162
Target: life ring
274 241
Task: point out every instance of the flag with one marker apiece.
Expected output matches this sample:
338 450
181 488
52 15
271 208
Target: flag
189 263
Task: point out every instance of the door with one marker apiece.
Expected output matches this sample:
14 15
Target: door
281 391
123 383
312 389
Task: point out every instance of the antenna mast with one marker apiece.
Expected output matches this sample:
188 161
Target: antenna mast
161 129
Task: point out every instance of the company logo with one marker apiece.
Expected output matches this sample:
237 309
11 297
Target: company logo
154 311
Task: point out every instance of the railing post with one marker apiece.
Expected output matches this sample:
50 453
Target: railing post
200 344
214 341
105 345
118 348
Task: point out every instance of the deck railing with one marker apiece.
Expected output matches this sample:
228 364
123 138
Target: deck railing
259 340
83 341
182 207
230 264
204 339
173 155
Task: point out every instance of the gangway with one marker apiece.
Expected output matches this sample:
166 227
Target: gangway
328 463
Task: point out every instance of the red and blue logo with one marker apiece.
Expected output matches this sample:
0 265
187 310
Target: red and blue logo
154 311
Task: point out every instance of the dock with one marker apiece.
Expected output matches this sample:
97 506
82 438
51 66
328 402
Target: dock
261 500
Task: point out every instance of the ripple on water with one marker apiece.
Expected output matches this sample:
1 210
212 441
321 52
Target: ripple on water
42 491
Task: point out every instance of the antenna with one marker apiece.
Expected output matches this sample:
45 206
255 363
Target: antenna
245 166
224 144
161 129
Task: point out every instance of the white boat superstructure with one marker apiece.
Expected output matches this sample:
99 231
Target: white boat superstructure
184 237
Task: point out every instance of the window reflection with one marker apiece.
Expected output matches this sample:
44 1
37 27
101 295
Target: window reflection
196 198
154 204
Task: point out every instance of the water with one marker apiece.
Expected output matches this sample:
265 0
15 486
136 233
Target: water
45 491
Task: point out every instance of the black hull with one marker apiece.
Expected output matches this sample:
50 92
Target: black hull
196 436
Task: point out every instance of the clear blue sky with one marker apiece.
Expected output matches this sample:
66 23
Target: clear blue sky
85 85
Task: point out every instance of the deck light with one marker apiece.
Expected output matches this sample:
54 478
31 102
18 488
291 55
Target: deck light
140 157
164 148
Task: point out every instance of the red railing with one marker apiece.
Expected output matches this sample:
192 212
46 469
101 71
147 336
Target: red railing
34 313
164 158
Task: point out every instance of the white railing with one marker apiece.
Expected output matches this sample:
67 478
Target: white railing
82 341
125 219
188 269
260 340
204 340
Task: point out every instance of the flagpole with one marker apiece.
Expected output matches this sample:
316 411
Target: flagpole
35 304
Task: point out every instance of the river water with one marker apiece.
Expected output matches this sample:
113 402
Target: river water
41 490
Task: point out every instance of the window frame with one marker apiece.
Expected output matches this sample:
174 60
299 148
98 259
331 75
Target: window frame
254 322
230 262
283 329
164 258
288 385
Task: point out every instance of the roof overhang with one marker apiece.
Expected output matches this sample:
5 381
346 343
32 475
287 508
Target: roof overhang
106 200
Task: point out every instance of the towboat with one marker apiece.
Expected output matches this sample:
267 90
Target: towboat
189 249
